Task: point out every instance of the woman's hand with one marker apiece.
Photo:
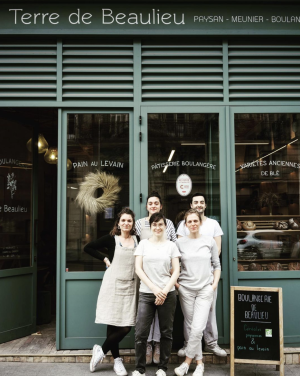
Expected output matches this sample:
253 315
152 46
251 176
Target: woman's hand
177 285
159 293
214 286
107 262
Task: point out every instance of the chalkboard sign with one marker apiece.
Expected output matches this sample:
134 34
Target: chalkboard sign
256 326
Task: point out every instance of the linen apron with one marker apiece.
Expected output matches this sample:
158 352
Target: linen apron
117 299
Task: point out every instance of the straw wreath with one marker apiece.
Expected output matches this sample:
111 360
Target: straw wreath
86 197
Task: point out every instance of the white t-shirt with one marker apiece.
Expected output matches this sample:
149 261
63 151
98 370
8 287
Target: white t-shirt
156 262
209 227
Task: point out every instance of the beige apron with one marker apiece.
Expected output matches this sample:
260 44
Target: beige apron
117 299
146 232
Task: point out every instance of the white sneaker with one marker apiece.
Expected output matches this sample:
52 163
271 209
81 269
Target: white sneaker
98 356
136 373
182 369
182 352
161 372
156 353
215 349
199 370
119 367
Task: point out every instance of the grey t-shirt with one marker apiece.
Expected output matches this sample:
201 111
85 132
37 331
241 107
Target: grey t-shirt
156 262
197 257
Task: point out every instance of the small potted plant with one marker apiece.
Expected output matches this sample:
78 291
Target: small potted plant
269 199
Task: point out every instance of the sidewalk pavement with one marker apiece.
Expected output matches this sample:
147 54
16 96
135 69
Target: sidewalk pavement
82 369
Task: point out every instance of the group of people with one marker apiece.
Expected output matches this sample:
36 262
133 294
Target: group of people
139 286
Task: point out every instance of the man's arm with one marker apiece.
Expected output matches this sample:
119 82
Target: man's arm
218 240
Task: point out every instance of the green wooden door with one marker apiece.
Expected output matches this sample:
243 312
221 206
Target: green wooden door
18 209
188 140
90 141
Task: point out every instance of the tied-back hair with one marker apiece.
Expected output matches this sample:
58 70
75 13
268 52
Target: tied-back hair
115 230
192 211
156 217
154 194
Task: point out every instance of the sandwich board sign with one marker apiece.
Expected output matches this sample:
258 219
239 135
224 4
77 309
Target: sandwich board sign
256 326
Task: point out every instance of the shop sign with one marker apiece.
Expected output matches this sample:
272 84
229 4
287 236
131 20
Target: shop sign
148 18
256 326
184 185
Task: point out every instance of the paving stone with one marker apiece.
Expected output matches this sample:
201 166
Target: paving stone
295 358
289 359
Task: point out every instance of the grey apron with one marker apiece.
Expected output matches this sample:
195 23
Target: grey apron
117 299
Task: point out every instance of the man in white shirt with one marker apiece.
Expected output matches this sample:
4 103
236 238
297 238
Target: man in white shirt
209 227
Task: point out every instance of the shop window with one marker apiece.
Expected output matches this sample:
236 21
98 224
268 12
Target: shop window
267 151
95 142
184 146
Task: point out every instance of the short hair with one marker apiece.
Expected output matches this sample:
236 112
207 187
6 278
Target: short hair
156 217
154 194
192 211
117 231
196 195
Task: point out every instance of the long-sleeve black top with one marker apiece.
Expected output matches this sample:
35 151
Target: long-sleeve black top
102 247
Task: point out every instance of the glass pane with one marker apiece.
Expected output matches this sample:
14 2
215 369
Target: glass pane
15 192
267 191
96 142
184 144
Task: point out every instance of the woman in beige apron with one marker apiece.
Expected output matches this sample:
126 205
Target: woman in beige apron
153 205
117 299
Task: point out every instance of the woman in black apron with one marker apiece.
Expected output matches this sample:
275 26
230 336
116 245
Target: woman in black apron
117 300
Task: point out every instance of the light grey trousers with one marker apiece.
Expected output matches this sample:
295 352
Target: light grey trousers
210 333
195 307
154 334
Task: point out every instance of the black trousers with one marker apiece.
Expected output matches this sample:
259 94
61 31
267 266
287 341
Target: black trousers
146 312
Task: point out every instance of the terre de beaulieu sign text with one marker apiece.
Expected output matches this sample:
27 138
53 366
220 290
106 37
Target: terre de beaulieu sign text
150 18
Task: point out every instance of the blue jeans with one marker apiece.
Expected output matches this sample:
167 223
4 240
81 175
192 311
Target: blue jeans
146 312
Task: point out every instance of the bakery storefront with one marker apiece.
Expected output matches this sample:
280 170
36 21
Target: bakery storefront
157 96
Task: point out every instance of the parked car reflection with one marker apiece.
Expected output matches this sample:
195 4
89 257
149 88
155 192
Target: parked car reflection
264 244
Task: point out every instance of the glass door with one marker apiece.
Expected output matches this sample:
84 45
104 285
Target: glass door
180 156
95 151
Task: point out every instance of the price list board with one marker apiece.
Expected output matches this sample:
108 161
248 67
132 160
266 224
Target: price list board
256 326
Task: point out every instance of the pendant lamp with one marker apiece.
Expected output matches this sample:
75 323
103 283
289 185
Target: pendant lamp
42 144
51 156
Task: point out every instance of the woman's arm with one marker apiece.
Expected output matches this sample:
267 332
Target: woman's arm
174 276
215 260
143 276
106 243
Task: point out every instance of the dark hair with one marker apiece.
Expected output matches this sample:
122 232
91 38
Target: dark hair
154 194
117 231
156 217
192 211
196 195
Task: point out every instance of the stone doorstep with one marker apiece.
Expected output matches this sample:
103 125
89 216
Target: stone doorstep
129 358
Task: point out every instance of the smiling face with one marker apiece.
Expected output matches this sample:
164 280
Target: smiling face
158 228
153 205
125 222
198 204
193 223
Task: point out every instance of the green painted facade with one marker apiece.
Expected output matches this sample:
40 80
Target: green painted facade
224 68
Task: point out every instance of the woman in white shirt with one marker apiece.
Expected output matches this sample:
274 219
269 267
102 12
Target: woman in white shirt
154 256
196 285
142 226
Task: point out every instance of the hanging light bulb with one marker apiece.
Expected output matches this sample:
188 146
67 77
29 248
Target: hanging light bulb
69 164
42 144
51 156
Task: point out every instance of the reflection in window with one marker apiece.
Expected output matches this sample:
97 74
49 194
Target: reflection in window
267 191
184 144
95 142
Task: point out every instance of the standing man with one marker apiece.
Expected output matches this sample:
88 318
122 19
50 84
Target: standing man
209 227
